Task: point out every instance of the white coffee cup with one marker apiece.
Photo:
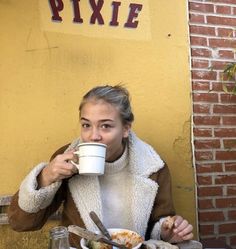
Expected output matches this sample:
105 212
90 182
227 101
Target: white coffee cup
91 158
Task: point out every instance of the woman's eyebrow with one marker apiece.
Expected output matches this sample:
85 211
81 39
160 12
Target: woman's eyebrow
106 120
84 119
101 121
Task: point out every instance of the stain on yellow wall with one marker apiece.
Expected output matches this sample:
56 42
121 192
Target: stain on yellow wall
44 75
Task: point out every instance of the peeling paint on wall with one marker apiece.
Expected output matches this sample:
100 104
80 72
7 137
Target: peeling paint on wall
182 145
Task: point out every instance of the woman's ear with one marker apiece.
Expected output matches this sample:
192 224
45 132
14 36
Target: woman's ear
126 130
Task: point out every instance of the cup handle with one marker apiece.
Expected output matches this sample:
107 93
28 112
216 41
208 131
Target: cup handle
75 164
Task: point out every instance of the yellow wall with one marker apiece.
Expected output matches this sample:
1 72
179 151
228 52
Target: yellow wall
44 75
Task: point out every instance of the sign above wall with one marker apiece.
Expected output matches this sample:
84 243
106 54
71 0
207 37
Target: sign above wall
124 19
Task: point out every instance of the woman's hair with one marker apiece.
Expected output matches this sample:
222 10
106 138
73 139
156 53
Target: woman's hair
117 96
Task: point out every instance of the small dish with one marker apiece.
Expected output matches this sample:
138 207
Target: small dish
121 236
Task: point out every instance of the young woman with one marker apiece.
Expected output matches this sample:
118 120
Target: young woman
134 192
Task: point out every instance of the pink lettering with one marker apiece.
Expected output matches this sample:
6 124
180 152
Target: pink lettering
56 8
134 11
114 21
77 17
96 5
96 11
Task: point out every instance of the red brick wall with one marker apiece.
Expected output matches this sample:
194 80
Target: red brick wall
213 42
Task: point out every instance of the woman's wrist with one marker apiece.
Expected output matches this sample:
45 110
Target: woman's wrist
42 179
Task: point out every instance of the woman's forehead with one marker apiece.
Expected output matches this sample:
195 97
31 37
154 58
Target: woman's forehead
100 110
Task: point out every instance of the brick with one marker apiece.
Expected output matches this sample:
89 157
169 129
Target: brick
231 190
224 109
201 52
202 132
219 86
218 20
201 86
224 1
226 203
223 10
225 78
204 180
225 179
229 143
229 89
207 144
206 229
225 132
222 43
227 228
232 215
229 121
202 30
198 41
206 120
205 204
196 63
203 155
230 167
226 54
201 7
205 97
196 18
209 168
211 216
234 11
225 155
203 75
201 108
209 239
233 240
228 98
218 65
224 32
210 191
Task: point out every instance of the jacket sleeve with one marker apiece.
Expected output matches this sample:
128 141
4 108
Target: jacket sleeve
30 207
163 204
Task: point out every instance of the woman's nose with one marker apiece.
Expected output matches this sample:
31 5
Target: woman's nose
95 136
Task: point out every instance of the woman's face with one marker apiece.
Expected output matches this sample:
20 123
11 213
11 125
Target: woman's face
101 123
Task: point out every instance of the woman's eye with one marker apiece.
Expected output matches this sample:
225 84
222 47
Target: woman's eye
106 126
85 125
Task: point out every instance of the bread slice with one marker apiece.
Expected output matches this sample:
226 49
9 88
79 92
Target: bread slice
169 222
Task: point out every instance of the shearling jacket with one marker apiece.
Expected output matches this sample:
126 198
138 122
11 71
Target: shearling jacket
151 197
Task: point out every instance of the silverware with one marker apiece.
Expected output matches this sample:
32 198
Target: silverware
84 233
99 224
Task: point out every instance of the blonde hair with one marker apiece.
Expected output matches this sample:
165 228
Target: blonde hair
117 96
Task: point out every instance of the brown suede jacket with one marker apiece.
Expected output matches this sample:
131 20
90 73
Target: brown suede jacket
24 221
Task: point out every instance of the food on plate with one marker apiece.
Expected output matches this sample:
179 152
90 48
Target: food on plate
169 222
124 237
128 238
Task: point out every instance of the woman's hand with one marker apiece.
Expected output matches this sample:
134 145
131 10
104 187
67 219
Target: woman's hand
180 231
58 169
